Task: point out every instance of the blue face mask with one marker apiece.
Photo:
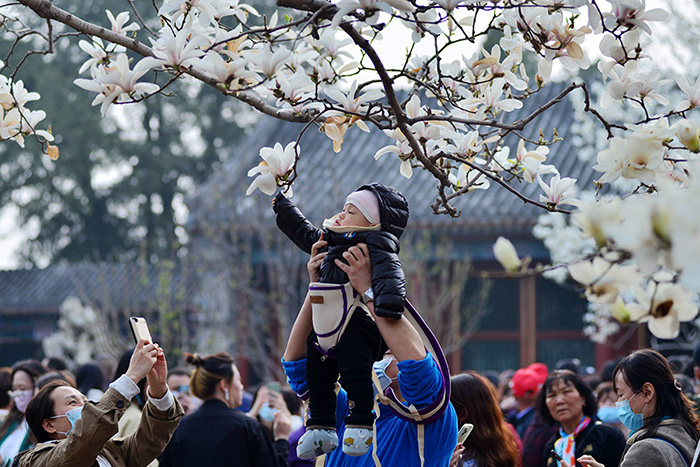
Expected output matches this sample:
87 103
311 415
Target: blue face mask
633 421
72 415
608 414
267 413
380 369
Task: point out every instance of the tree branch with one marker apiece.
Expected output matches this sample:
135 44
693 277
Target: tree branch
47 10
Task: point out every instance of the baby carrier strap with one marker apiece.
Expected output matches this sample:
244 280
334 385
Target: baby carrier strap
678 450
435 410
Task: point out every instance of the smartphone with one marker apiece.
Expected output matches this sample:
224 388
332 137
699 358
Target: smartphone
139 328
559 458
464 432
273 386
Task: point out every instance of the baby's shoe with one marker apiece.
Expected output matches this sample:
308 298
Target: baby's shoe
316 442
357 440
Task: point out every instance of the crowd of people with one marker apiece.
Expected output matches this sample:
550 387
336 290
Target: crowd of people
637 411
633 412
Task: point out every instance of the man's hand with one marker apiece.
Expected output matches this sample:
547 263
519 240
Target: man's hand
358 267
142 360
158 376
316 259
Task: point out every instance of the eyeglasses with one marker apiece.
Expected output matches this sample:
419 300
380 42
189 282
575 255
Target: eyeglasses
182 390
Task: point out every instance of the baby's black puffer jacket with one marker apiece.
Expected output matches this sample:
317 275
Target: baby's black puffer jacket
388 281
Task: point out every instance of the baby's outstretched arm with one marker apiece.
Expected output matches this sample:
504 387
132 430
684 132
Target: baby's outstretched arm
296 345
294 225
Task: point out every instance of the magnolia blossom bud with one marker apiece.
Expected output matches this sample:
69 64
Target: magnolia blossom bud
687 132
620 312
505 254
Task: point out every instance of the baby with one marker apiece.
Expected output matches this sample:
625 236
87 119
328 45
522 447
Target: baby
375 215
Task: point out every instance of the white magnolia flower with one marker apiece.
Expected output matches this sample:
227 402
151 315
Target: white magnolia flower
559 191
603 280
505 253
532 168
611 160
693 93
610 46
119 74
180 50
687 132
491 97
368 7
632 14
595 219
402 149
539 154
18 97
233 8
189 9
118 81
99 54
645 231
119 22
228 72
267 61
663 307
491 63
10 126
352 101
277 163
467 176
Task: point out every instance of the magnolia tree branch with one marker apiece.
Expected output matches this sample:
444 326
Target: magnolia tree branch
49 11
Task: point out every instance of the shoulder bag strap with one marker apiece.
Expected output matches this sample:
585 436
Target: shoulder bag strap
685 459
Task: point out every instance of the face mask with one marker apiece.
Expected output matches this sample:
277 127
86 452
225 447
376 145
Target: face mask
608 414
267 413
72 415
633 421
380 369
22 398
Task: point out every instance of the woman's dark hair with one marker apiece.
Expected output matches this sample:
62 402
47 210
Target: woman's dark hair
63 375
56 364
89 376
5 385
34 369
590 405
491 442
122 366
208 372
649 366
41 408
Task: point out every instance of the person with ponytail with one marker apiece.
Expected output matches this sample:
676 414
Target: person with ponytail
15 435
492 442
217 434
650 402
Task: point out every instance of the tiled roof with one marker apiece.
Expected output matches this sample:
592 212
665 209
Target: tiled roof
122 286
325 178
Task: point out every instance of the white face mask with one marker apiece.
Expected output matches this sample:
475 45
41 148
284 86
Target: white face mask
21 398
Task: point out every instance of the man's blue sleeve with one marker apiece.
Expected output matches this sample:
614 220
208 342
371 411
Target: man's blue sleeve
296 376
420 381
